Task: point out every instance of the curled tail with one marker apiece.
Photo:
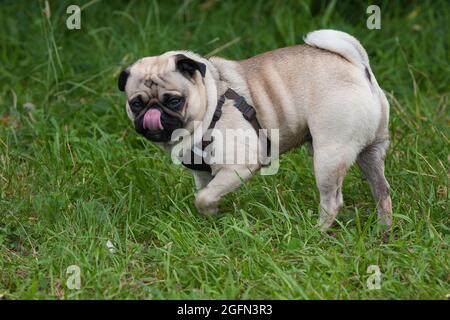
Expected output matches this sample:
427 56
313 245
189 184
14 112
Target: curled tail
351 49
345 45
339 42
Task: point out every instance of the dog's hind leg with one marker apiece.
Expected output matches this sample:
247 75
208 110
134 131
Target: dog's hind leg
330 166
371 162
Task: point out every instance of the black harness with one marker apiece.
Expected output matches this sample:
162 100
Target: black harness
248 112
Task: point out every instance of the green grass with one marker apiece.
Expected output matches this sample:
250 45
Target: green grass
74 174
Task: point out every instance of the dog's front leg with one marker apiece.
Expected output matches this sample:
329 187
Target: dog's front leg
201 179
227 179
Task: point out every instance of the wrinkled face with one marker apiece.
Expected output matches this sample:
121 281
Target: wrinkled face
164 93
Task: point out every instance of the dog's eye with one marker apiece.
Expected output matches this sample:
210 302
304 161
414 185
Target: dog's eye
175 103
136 104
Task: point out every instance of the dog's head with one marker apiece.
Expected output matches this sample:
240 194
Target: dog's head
165 93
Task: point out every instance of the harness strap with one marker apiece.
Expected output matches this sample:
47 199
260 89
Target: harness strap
248 112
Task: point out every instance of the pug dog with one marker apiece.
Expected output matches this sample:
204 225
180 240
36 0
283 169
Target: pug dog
322 93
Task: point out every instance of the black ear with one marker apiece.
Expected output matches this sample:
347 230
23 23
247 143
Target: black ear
122 81
188 66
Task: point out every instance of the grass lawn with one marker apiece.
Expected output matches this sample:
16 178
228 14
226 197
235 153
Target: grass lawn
74 174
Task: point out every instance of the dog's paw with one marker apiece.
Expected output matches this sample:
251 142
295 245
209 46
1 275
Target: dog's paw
206 204
325 223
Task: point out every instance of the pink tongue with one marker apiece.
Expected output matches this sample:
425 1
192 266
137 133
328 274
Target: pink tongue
152 120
